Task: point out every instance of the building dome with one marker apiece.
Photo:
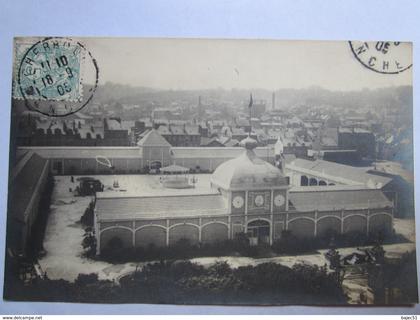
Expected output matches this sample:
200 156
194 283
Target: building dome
247 172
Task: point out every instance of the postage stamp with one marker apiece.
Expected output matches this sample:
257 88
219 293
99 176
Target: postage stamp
388 57
52 70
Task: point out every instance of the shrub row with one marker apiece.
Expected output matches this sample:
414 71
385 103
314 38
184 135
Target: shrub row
239 246
188 283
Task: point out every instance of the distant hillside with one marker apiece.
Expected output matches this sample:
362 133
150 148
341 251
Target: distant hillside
388 97
400 98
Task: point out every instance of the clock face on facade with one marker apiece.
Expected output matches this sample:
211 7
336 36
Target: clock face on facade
259 200
238 202
279 200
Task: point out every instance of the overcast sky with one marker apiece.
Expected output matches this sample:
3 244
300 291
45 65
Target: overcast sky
246 64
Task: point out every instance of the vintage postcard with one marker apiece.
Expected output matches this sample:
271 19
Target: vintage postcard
232 172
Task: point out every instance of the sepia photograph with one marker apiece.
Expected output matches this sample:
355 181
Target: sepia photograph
211 172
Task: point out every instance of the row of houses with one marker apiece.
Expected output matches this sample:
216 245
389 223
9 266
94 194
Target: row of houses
318 135
32 131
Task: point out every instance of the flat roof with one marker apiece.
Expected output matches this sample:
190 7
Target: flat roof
84 152
337 187
152 207
217 152
136 152
335 171
144 197
339 199
150 185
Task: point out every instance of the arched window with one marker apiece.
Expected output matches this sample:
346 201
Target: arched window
115 243
322 183
313 182
259 232
303 180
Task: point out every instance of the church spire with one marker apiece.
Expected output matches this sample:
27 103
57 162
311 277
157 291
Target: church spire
249 143
251 102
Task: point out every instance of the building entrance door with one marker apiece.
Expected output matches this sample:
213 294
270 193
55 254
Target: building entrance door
57 167
154 166
259 232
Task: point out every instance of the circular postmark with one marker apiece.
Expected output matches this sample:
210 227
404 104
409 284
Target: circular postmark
386 57
53 74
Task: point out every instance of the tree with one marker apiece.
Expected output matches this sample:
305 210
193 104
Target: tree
88 217
378 253
220 269
85 279
89 244
334 257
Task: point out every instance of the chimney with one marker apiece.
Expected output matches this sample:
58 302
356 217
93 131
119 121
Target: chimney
273 101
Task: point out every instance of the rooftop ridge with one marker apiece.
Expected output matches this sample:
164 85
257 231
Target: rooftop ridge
153 138
109 195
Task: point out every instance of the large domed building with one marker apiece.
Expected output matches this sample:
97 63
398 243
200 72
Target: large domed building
244 195
247 172
254 189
